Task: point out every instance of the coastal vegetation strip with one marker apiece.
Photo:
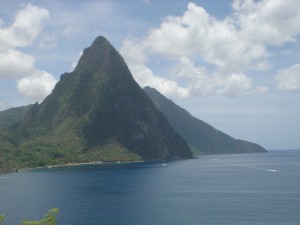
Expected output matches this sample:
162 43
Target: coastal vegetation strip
50 218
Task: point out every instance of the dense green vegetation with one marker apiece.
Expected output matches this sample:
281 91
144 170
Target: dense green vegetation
201 137
11 116
99 113
95 113
48 219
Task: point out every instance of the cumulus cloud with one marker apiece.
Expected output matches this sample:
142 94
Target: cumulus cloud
145 77
27 25
268 21
289 79
199 82
15 64
235 84
231 47
203 83
134 52
37 86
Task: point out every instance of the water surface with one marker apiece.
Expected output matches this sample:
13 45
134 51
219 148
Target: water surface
244 189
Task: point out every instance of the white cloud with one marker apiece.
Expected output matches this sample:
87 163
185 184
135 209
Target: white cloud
200 83
230 47
198 34
234 85
37 86
145 77
268 21
186 68
15 64
289 79
134 52
27 24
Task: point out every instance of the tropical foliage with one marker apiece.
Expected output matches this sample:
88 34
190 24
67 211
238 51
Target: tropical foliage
50 218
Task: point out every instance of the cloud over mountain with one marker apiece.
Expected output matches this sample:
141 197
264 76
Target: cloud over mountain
228 49
37 86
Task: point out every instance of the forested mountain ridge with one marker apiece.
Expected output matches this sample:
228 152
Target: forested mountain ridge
13 115
201 137
97 112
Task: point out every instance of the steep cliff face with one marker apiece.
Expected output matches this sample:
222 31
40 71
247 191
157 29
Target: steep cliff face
201 137
98 107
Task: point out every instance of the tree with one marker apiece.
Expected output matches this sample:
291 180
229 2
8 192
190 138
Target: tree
1 218
49 219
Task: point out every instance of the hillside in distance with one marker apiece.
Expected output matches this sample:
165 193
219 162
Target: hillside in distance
95 113
12 116
200 136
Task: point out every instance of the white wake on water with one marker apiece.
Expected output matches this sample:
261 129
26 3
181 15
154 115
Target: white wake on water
250 167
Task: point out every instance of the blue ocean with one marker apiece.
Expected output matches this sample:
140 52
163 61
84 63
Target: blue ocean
241 189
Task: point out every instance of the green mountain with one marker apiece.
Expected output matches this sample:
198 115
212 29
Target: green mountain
11 116
201 137
97 112
8 152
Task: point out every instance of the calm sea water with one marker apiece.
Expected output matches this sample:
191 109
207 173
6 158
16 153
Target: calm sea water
244 189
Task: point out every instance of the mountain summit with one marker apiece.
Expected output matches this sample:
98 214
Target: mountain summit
98 112
100 56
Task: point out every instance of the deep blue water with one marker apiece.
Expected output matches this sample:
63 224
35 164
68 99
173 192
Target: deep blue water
242 189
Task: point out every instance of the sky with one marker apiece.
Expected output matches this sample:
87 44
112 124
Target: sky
233 63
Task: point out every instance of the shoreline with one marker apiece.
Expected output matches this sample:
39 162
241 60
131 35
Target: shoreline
90 163
77 164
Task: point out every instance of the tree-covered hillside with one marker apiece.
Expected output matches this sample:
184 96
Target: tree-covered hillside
13 115
95 113
201 137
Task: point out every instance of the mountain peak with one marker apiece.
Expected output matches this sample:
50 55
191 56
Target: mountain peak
95 57
100 41
98 112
